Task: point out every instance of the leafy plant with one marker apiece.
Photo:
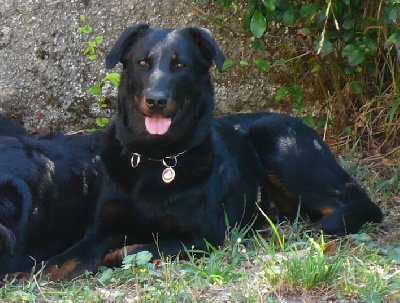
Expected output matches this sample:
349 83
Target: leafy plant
112 78
92 44
346 44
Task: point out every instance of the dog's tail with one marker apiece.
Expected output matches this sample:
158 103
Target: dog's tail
15 205
350 217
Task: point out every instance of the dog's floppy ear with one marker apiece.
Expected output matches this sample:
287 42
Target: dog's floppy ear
208 45
124 41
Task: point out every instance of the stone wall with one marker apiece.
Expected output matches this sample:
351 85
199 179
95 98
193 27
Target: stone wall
44 75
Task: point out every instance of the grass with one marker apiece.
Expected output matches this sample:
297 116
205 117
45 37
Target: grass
283 263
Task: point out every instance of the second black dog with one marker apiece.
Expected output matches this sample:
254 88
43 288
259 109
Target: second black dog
48 190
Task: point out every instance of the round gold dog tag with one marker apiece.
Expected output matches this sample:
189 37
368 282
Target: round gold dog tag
168 174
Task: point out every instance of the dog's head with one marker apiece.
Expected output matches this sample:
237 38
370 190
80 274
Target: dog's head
165 85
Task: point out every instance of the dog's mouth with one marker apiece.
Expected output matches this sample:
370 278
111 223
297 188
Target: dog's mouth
157 124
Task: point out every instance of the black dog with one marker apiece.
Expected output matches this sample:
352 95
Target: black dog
48 189
175 175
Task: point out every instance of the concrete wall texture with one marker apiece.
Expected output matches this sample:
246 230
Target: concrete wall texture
44 75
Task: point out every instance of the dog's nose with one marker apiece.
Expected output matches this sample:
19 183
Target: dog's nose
156 100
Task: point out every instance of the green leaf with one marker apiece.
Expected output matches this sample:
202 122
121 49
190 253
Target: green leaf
356 87
243 63
325 48
349 23
279 62
87 29
348 34
347 129
227 64
308 119
280 93
356 57
348 49
361 237
95 90
289 17
102 121
98 40
258 24
393 39
305 31
143 257
396 251
371 43
270 5
393 14
263 64
114 78
246 19
299 106
93 57
307 10
258 45
106 275
297 93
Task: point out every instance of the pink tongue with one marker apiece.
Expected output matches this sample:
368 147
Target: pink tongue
157 125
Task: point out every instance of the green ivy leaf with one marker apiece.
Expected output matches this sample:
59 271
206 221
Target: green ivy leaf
227 64
308 119
263 64
393 39
356 87
289 17
356 57
270 5
297 93
98 40
347 129
349 23
143 257
258 24
305 31
246 19
114 78
95 90
102 121
325 48
86 29
371 43
280 93
106 275
348 49
258 45
393 14
307 10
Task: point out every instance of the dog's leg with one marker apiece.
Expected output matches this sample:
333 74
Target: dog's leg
301 169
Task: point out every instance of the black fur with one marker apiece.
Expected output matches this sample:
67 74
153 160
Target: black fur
165 108
48 190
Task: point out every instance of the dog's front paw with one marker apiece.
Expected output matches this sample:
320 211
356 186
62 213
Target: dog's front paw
17 278
68 269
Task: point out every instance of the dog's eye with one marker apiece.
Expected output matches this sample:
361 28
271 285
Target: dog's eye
144 63
179 65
